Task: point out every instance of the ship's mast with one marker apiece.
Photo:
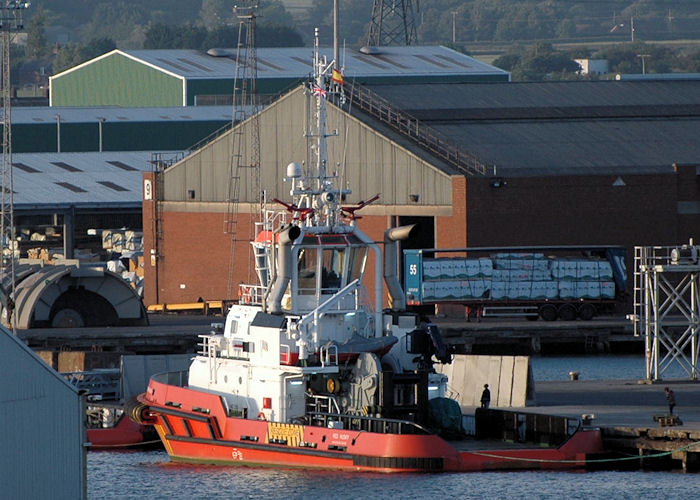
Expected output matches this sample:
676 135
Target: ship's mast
318 190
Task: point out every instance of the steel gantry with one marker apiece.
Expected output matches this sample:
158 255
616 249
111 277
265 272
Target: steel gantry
11 22
666 303
393 23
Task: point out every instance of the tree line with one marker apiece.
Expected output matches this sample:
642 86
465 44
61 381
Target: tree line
529 27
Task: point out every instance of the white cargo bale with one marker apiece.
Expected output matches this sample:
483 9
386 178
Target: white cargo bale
587 289
607 289
551 289
106 239
498 289
520 290
539 290
447 270
586 270
605 271
563 269
133 240
117 241
460 268
472 268
541 275
474 288
528 263
514 274
453 289
431 270
566 289
442 290
485 267
116 266
428 290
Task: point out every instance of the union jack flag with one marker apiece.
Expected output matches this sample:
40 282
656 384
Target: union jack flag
319 91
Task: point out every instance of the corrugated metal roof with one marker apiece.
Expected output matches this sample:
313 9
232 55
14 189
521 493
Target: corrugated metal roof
38 115
58 179
295 62
530 95
563 128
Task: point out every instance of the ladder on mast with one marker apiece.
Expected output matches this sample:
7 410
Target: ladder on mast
245 116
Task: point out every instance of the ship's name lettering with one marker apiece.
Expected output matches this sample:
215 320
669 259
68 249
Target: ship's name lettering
285 431
236 454
337 435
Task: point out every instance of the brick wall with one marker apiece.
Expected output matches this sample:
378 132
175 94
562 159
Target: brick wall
193 257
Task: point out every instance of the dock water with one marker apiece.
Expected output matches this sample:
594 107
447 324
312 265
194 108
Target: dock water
627 411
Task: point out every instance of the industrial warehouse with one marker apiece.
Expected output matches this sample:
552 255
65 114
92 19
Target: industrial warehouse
444 140
487 166
472 159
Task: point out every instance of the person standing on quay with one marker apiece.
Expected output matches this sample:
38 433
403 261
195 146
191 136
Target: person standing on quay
671 398
486 397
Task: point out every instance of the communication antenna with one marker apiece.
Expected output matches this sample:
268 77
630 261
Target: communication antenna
11 21
393 23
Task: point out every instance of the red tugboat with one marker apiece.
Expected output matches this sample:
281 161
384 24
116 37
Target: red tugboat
306 373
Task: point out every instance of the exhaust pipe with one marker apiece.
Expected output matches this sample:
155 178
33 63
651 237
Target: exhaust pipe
284 268
391 278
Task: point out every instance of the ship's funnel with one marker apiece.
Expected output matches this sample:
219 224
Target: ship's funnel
391 236
284 268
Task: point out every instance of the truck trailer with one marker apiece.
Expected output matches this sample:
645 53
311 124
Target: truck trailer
564 282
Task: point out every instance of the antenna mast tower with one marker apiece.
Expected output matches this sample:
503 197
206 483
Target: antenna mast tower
393 23
11 21
246 106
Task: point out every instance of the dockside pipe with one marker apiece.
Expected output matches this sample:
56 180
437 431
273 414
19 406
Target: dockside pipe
391 236
284 268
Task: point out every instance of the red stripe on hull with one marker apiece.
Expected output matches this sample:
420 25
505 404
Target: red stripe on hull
208 435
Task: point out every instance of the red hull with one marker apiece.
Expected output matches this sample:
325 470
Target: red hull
126 433
194 428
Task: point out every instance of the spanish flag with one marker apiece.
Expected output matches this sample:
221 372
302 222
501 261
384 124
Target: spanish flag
337 77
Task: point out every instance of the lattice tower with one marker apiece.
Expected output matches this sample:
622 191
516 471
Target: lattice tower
245 136
11 21
393 23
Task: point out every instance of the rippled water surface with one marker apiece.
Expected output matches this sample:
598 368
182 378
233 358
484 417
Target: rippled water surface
597 368
150 474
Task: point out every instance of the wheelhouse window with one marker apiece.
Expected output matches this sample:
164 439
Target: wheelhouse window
332 269
356 263
306 269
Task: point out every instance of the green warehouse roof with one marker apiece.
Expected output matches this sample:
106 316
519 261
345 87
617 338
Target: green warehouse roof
181 77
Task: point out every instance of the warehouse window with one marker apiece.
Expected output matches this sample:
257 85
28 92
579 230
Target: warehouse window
71 187
122 165
26 168
65 166
112 185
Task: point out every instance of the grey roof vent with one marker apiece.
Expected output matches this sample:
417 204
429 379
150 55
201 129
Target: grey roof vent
370 51
215 52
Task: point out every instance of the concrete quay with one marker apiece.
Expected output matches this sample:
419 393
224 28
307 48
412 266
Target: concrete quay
625 411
